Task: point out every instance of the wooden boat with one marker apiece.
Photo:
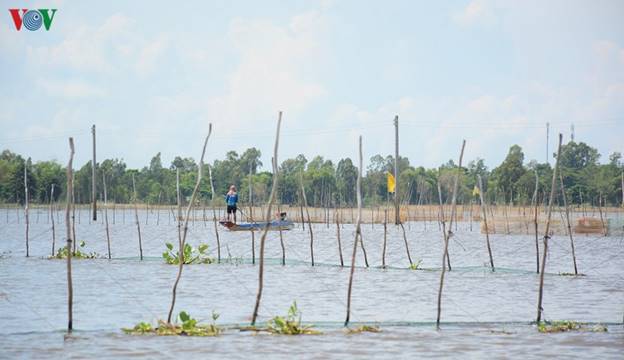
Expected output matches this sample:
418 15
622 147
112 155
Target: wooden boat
274 225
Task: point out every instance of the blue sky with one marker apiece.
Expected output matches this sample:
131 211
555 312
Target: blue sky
151 75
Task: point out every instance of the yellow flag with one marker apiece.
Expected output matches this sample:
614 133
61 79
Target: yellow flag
391 183
475 191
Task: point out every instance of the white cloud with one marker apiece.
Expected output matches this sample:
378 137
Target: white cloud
275 71
476 12
115 45
70 89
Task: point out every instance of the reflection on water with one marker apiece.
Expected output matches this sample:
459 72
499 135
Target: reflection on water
485 313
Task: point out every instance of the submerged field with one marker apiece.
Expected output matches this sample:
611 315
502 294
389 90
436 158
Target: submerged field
484 313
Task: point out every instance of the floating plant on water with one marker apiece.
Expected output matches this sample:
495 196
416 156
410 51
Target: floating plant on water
570 274
416 265
364 328
62 253
567 325
290 324
191 255
188 326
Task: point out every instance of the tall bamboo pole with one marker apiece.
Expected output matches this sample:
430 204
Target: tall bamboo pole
281 236
358 231
448 233
93 182
26 215
214 215
305 202
70 191
484 210
567 213
136 217
397 218
604 226
52 210
178 208
409 257
553 190
337 216
442 221
106 215
182 241
73 209
268 219
385 239
536 204
253 235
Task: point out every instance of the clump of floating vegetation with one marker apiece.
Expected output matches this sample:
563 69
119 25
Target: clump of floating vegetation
570 274
62 253
187 327
291 324
191 255
364 328
416 265
567 325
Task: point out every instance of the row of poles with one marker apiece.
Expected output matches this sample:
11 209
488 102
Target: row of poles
183 227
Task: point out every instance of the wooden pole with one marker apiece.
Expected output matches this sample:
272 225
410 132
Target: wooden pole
268 219
358 231
448 233
536 204
337 216
106 215
279 210
26 215
553 190
52 210
70 191
409 257
604 227
484 210
253 235
385 239
73 209
214 215
179 207
301 210
136 217
305 202
158 210
93 182
182 241
567 213
442 221
397 218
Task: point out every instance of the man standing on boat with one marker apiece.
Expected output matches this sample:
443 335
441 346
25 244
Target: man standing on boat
231 198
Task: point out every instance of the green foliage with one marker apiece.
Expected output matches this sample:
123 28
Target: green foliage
140 329
570 274
191 255
364 328
290 324
416 265
78 254
188 327
567 325
326 182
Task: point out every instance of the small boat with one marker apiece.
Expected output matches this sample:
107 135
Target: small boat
274 225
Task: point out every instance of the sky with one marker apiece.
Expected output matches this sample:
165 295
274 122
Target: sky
152 75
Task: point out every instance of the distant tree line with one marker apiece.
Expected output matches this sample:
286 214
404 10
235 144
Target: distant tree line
326 183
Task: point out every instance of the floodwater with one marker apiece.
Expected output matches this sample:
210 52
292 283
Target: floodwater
484 314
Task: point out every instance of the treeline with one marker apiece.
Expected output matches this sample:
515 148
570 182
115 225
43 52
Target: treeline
326 183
